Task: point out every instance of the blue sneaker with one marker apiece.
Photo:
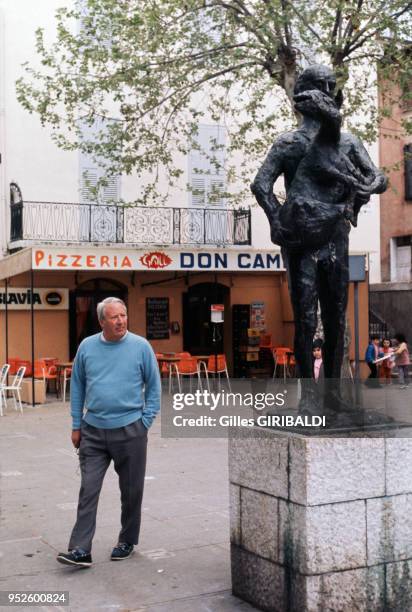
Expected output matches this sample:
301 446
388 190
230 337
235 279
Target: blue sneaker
121 551
77 556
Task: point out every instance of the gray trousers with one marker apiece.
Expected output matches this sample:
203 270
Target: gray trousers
127 447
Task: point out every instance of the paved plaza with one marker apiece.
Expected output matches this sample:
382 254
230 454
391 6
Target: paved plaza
182 562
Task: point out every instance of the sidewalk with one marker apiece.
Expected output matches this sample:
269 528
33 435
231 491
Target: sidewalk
182 563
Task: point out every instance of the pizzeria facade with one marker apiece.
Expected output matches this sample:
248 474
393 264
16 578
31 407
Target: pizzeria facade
48 298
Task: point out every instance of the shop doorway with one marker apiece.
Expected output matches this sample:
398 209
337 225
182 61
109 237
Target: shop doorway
197 328
83 303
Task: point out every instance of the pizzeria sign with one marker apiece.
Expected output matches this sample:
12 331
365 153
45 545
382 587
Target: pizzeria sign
156 260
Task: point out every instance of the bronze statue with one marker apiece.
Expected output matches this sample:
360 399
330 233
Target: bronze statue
328 177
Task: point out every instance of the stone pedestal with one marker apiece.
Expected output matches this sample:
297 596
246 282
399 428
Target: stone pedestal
321 524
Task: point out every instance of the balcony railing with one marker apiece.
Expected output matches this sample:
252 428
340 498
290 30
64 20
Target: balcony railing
91 223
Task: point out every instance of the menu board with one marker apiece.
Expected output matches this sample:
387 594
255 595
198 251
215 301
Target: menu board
157 318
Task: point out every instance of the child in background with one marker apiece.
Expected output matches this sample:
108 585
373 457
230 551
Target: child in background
385 367
317 360
402 360
371 355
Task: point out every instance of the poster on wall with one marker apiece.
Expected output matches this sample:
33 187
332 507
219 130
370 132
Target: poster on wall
157 318
257 315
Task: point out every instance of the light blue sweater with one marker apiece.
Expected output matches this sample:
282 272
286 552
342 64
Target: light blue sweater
116 382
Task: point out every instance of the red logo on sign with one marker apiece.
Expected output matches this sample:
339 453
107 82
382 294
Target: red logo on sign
155 260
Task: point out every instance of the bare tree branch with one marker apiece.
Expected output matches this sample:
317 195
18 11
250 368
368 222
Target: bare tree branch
303 19
288 37
349 47
193 86
336 26
198 56
349 26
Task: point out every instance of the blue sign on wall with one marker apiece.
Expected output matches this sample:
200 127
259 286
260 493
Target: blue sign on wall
357 268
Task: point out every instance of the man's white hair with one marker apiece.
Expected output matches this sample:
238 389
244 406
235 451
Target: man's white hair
102 305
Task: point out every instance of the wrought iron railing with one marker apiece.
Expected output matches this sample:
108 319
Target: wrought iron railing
73 222
377 326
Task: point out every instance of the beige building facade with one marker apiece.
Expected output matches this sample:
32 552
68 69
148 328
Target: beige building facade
169 305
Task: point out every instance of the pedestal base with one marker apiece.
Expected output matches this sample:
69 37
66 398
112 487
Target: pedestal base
321 524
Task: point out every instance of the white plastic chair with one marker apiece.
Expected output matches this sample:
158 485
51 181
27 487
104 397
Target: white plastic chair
67 373
3 379
14 388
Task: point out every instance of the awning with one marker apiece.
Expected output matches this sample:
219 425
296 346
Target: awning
15 264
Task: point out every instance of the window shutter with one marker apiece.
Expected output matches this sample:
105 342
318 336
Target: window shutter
198 191
403 263
216 191
207 167
91 172
111 190
88 180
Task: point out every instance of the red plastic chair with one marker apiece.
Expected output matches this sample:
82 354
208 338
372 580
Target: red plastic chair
187 366
216 367
47 373
162 367
25 363
13 361
281 356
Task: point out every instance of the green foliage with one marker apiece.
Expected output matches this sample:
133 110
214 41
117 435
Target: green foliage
151 71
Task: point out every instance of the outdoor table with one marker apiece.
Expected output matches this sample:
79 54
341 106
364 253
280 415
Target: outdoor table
167 360
62 365
49 360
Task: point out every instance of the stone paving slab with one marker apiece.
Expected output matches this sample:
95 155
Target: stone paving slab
182 563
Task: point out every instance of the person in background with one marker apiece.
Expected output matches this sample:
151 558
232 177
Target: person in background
386 366
116 379
371 355
402 360
317 360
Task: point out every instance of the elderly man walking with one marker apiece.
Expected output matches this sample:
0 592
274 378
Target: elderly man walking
116 380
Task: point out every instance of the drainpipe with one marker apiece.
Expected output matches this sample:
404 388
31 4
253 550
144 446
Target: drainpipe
6 320
32 337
